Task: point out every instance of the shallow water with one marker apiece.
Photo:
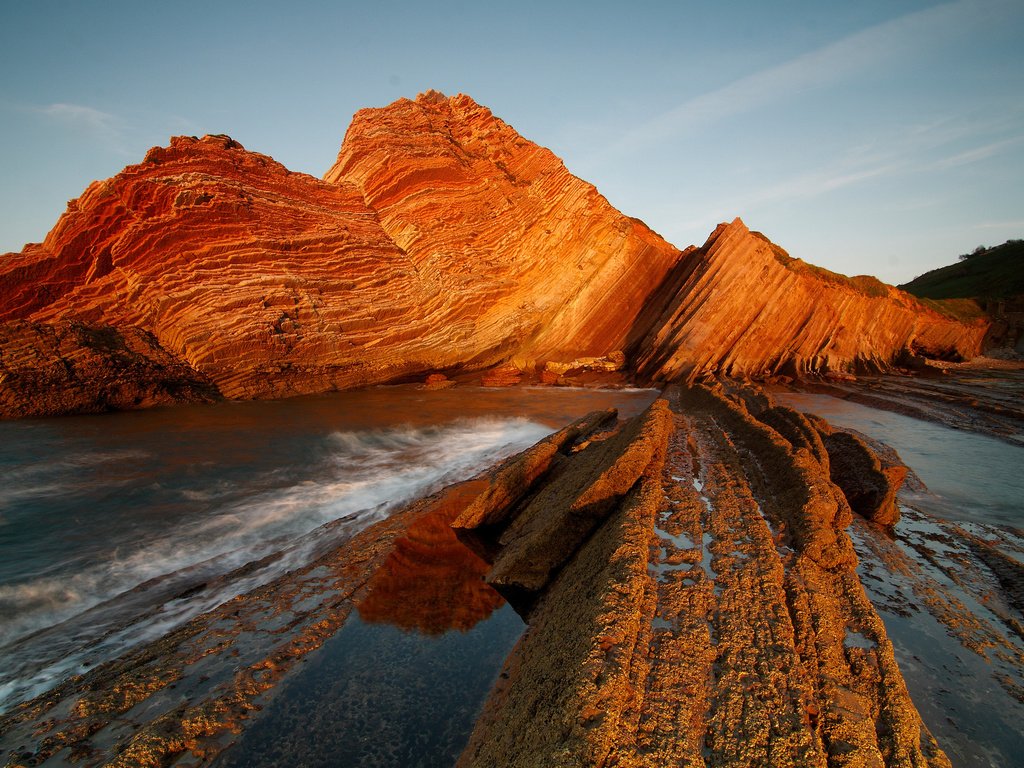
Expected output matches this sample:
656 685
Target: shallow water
116 528
970 477
951 628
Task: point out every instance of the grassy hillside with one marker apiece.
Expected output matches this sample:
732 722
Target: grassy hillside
991 273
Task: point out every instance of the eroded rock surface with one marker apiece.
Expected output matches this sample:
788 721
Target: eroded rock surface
714 617
690 584
517 252
440 242
48 369
741 306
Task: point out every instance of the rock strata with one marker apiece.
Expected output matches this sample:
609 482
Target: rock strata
526 260
713 616
740 306
440 241
48 369
869 486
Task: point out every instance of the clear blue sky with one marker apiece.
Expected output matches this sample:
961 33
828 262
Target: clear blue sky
880 136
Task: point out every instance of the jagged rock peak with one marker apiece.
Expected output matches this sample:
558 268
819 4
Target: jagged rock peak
741 306
561 272
430 96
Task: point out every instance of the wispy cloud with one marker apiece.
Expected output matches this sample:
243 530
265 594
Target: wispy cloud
977 154
871 47
103 126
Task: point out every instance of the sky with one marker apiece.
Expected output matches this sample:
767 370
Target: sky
880 137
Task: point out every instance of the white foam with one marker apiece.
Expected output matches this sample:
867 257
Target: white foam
364 476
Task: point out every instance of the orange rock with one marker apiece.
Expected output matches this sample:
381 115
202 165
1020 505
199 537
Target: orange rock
740 306
441 239
266 281
518 251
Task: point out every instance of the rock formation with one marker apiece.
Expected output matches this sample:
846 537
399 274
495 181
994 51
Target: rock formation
69 367
691 597
707 613
741 306
440 242
526 255
267 282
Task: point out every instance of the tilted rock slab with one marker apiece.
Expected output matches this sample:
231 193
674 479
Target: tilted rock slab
523 254
712 617
741 306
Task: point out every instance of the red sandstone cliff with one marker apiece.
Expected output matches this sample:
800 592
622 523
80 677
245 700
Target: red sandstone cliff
741 306
523 254
440 240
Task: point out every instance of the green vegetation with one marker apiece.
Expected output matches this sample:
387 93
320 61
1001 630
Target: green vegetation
865 284
985 273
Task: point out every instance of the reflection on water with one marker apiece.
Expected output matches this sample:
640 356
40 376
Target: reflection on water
430 583
402 683
971 477
115 529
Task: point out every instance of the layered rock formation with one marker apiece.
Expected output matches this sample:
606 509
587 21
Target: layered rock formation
702 608
524 253
741 306
69 367
266 281
692 596
441 241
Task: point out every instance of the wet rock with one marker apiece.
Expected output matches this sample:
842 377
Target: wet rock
541 534
51 369
486 517
437 381
869 486
706 619
502 376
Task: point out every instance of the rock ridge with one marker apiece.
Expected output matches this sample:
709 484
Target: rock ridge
740 306
441 242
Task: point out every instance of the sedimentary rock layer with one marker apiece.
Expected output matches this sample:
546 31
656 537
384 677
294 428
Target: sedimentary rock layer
441 241
525 254
741 306
266 281
714 617
69 367
698 605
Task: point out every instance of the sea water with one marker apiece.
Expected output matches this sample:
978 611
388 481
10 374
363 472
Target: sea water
971 477
115 529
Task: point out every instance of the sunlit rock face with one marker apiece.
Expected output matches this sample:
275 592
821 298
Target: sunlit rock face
517 253
741 306
441 241
268 282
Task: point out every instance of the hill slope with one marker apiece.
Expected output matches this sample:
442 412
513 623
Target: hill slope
994 273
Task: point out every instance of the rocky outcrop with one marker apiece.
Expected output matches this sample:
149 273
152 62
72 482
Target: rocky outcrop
531 542
49 369
692 600
519 254
271 283
440 242
869 486
741 306
712 616
267 282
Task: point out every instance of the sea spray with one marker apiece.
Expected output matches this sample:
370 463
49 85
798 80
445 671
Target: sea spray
361 477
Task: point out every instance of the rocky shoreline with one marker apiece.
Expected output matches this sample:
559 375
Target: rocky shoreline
690 584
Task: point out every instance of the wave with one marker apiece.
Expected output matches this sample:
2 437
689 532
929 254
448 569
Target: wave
59 624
